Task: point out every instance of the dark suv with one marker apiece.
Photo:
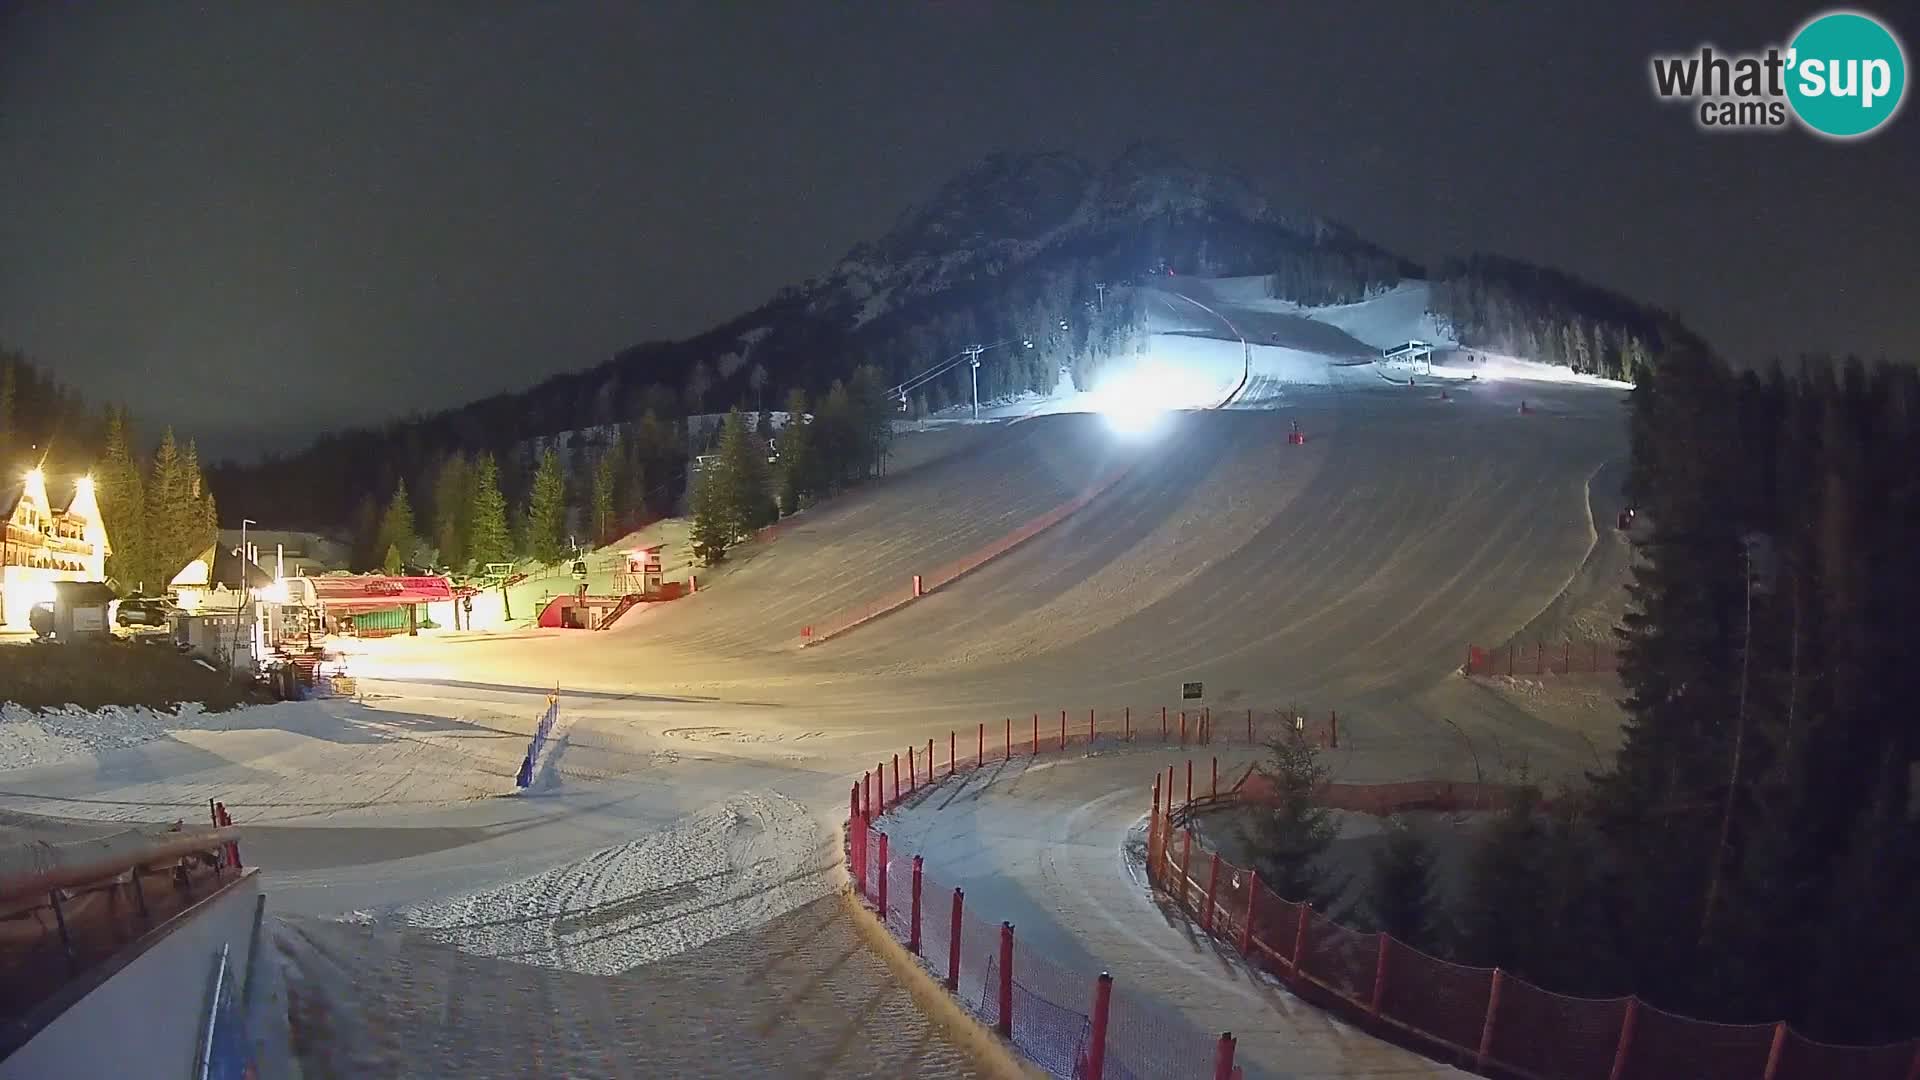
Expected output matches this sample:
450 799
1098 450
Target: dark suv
144 611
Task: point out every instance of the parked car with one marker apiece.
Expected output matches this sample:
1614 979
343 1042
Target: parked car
144 612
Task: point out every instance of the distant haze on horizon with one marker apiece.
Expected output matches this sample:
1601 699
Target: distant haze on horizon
259 222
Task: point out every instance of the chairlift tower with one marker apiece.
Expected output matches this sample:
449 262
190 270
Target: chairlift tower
973 360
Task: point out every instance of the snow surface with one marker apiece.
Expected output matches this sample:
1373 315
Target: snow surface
715 872
41 738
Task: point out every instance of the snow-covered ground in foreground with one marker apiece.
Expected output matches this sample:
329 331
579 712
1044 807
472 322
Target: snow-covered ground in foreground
715 872
29 738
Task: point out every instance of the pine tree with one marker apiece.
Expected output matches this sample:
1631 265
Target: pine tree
453 510
1288 836
713 526
741 474
606 481
170 513
796 454
121 494
1403 898
546 519
396 539
488 540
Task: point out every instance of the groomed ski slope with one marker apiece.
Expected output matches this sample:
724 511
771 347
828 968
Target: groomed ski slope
1348 572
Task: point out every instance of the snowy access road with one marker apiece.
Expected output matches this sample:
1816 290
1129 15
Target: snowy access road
1043 843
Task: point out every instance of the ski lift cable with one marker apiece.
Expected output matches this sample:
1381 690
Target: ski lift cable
945 366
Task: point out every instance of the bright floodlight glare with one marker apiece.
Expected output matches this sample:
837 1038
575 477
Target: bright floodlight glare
85 484
1132 404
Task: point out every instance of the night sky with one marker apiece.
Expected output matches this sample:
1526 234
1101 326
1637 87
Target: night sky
258 220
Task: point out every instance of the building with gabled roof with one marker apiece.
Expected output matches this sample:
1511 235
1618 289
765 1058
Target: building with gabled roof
41 544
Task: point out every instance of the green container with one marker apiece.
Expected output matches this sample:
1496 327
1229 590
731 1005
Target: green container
381 622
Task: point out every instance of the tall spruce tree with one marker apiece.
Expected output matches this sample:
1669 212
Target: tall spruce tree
741 472
546 519
453 510
606 490
121 493
1288 835
1403 897
488 538
397 539
713 524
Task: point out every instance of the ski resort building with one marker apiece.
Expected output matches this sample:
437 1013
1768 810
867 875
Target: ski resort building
40 545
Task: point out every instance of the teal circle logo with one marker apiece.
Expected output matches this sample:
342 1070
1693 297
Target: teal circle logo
1846 74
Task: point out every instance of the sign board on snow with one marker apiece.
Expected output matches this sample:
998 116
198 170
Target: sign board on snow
1190 691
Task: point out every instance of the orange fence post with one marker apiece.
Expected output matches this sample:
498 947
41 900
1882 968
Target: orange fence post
1186 863
1189 779
1153 828
1486 1030
1033 747
1215 789
1090 727
1223 1057
1300 937
853 806
1163 723
1126 717
880 784
953 943
857 851
1009 738
913 775
1169 792
883 877
1774 1050
896 776
1249 727
1063 729
913 939
930 760
953 753
1379 975
1213 889
1625 1045
980 749
1005 1024
1333 727
1097 1037
1183 727
1253 904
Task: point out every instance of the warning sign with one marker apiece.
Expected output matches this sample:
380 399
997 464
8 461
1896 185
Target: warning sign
1190 691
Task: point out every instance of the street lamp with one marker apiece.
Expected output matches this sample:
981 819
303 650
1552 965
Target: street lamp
246 590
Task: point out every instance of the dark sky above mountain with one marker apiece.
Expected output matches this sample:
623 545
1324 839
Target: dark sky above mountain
259 220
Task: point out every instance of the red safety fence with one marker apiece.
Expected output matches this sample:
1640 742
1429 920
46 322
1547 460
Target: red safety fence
1483 1018
921 584
1542 658
1049 1011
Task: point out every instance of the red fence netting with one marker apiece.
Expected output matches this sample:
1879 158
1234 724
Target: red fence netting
1667 1045
1542 658
1506 1025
